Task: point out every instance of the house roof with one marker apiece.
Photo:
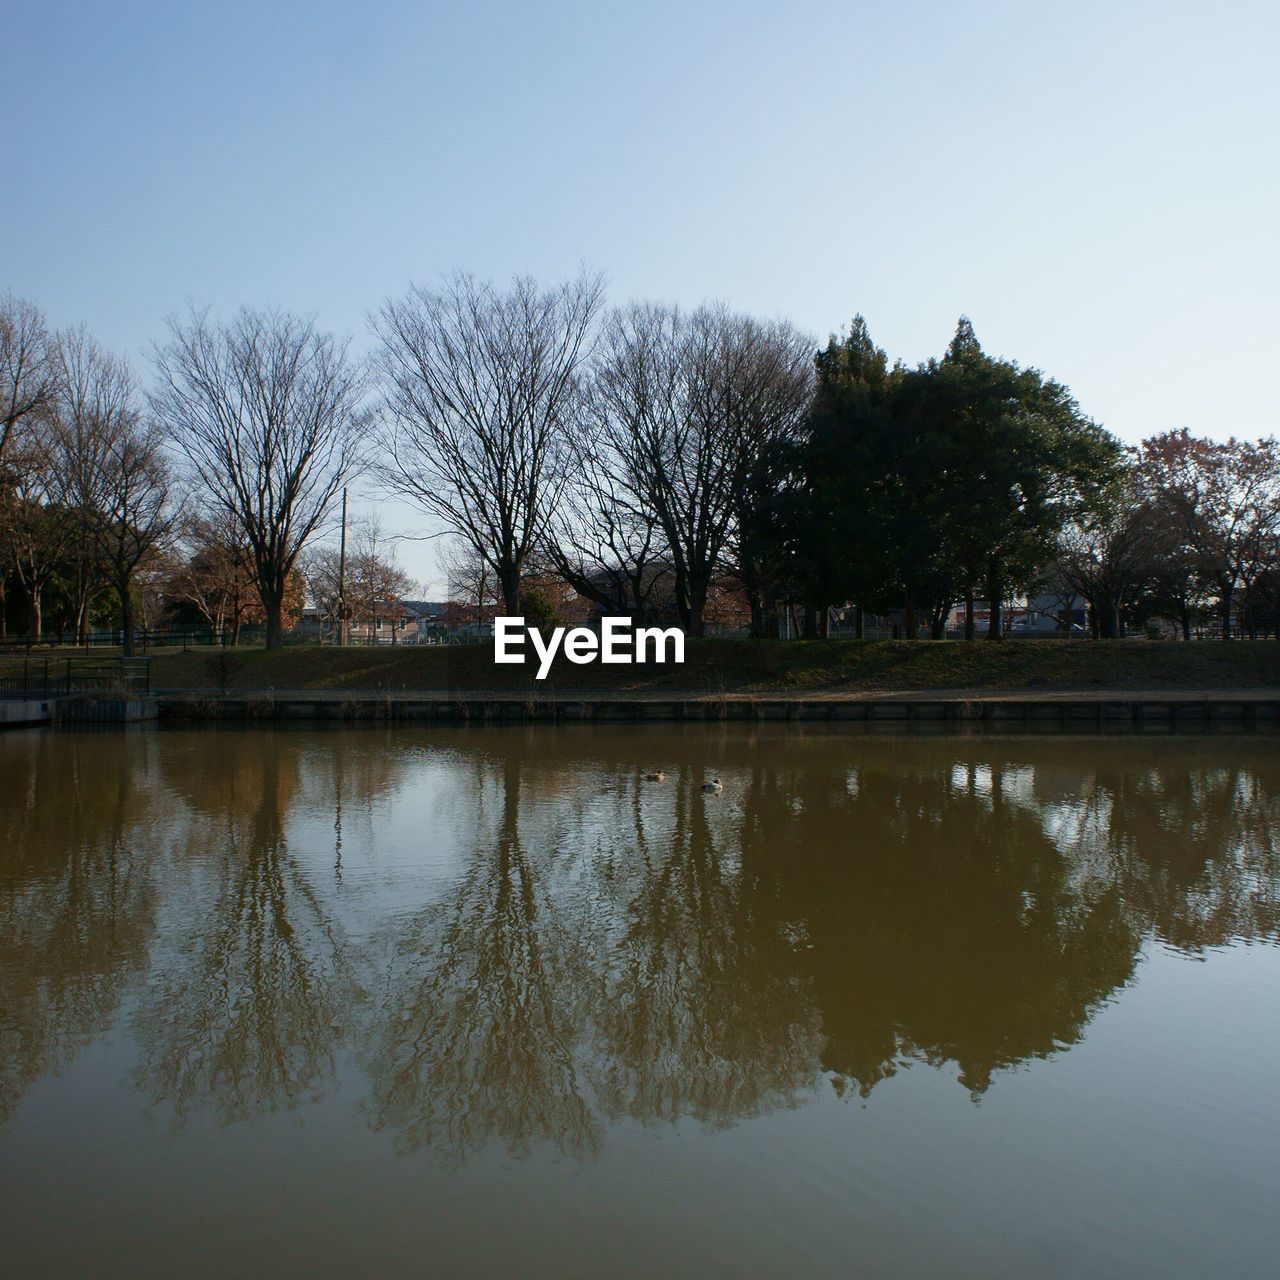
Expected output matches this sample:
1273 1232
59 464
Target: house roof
425 608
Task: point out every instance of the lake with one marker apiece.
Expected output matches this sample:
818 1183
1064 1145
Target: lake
402 1001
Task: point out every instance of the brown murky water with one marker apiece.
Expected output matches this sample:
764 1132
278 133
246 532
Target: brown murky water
399 1002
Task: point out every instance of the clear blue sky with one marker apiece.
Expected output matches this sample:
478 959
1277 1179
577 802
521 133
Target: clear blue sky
1095 184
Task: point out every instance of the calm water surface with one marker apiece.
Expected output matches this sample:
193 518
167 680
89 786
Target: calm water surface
399 1002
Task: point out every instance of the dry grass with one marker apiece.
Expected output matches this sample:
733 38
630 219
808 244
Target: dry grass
718 668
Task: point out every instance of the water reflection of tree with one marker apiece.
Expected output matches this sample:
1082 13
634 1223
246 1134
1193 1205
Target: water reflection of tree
610 948
249 1016
486 1006
1195 851
77 899
980 901
685 956
943 923
705 1013
353 775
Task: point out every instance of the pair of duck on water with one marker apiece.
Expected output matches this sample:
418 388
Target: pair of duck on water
661 776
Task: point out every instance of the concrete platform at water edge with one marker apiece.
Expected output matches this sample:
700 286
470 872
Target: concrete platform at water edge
77 709
17 713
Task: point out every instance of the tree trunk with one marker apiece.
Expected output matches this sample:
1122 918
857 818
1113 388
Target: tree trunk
271 586
1227 596
37 613
968 616
1186 624
691 600
126 617
695 624
770 621
810 621
1104 610
909 616
859 623
275 622
995 594
509 579
636 583
683 612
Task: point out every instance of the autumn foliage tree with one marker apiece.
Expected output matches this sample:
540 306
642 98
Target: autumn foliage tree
214 578
1223 499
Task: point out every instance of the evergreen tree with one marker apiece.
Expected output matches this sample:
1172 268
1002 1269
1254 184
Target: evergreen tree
840 528
925 485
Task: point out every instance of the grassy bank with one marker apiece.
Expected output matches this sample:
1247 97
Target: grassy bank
735 666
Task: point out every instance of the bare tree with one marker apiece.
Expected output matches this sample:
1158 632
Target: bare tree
470 582
133 517
691 401
603 538
38 532
28 370
481 387
375 582
772 381
266 410
28 383
115 477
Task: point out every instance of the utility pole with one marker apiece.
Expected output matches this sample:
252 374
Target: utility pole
342 576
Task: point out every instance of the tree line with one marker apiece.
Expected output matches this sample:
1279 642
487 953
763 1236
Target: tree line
652 460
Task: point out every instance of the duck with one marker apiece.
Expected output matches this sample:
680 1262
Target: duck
660 776
715 786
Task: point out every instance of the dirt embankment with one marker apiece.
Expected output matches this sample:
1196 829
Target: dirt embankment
728 667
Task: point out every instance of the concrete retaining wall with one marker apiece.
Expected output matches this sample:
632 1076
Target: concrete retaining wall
1147 711
15 712
90 709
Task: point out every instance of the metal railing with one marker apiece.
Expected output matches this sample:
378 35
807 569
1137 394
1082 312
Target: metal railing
143 640
187 638
52 677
